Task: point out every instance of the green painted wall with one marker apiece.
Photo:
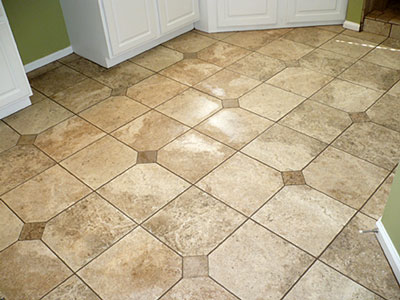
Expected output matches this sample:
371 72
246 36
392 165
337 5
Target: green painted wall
354 11
391 215
38 27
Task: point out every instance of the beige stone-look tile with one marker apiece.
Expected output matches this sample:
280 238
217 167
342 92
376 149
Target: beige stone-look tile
147 157
242 183
193 155
285 50
67 138
346 96
227 85
32 231
234 126
322 282
44 69
38 117
195 266
143 190
123 75
191 107
317 120
189 42
270 102
367 36
359 256
150 132
10 227
349 46
29 270
8 137
261 265
190 71
395 90
37 97
194 223
284 149
376 27
300 81
222 54
371 142
344 177
251 40
385 56
395 33
69 58
293 178
45 195
19 164
86 67
137 267
215 35
311 36
333 28
386 111
257 66
155 90
230 103
101 161
82 95
304 216
113 112
85 230
157 58
197 289
72 289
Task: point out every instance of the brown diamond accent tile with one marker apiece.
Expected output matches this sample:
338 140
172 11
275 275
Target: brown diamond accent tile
28 139
195 266
190 55
32 231
121 91
230 103
146 157
359 117
293 178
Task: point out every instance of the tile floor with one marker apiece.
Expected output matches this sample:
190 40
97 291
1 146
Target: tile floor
215 166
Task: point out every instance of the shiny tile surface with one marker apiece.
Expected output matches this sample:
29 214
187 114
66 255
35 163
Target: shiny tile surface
285 50
310 36
157 58
222 54
386 111
189 42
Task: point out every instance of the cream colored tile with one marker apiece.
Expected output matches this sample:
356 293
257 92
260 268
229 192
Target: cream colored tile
367 36
8 137
333 28
311 36
285 50
251 40
10 227
376 27
385 55
222 54
189 42
72 289
395 90
349 46
157 58
195 266
386 111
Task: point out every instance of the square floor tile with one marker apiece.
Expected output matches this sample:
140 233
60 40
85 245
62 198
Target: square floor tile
333 28
387 55
386 111
310 36
285 50
10 227
194 223
251 40
242 183
101 161
284 149
222 54
8 137
189 42
36 97
395 90
349 46
364 35
142 190
74 288
215 35
86 67
157 58
344 177
44 69
193 155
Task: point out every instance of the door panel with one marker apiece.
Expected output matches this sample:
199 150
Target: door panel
299 11
175 14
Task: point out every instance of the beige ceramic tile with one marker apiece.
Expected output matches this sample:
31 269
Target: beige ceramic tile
227 85
191 107
189 42
44 69
113 112
222 54
395 33
8 137
376 27
45 195
82 95
85 230
344 177
284 149
190 71
349 46
101 161
27 139
37 97
359 256
270 102
242 183
386 111
29 271
317 120
215 35
72 289
137 267
19 164
371 142
155 90
251 40
346 96
69 58
193 155
367 36
261 265
395 90
311 36
285 50
195 266
150 131
333 28
86 67
308 218
38 117
257 66
143 190
385 55
322 282
157 58
10 227
194 223
67 137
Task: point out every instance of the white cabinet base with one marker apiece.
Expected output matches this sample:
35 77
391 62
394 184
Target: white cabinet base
14 107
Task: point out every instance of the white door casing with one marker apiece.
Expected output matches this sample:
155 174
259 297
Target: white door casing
175 14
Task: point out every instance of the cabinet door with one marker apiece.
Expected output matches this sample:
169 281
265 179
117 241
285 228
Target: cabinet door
130 23
242 12
175 14
302 11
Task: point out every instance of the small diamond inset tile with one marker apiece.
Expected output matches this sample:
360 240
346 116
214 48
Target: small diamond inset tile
32 231
146 157
27 139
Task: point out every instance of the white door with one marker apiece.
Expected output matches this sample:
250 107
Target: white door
131 23
246 12
175 14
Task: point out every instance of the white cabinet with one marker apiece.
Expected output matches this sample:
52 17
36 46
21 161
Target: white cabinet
177 13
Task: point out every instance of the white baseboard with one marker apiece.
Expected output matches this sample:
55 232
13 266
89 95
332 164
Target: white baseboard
48 59
389 249
351 25
13 107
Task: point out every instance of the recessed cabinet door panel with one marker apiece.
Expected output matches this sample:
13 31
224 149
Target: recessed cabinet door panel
177 13
316 10
245 12
130 23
